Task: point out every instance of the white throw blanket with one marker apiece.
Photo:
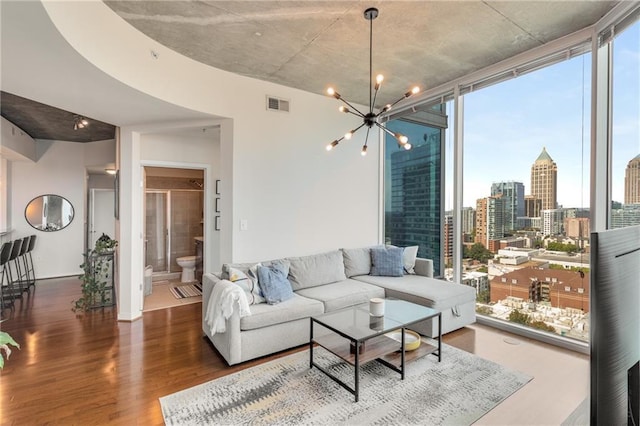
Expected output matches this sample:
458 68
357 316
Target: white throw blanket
224 298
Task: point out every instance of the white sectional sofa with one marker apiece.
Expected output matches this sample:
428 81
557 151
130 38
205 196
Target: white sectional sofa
327 282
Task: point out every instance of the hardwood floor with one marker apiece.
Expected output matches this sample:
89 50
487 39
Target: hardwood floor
95 370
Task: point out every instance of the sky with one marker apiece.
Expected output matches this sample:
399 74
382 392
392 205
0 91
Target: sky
508 124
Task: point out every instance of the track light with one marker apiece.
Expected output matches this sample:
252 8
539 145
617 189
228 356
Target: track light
80 122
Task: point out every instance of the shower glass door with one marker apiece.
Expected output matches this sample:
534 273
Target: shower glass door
156 229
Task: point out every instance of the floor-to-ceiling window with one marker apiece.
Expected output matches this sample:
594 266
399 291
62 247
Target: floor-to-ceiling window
526 174
625 168
413 189
517 177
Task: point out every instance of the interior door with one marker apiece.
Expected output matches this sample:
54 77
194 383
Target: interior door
101 217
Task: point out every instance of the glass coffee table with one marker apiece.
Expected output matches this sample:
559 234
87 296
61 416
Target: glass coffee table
354 327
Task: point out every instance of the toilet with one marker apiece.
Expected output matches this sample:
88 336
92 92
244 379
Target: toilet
188 265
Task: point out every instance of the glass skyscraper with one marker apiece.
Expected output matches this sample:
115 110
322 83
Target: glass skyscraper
413 191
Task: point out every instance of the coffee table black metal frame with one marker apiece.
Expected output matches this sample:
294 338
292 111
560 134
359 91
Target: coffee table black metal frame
354 328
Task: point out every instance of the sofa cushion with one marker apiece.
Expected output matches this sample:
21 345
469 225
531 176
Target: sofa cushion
264 315
387 261
342 294
357 261
273 282
425 291
244 267
248 281
317 269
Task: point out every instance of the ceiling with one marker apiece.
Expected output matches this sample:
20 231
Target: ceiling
300 44
42 121
311 45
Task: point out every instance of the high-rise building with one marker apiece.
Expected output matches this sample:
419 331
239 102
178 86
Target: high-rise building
552 221
628 215
632 181
577 227
448 238
513 195
532 206
413 213
544 180
489 220
468 220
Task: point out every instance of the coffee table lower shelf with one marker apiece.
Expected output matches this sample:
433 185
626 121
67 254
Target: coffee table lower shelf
381 347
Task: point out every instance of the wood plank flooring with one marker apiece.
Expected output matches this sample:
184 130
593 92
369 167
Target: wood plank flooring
94 370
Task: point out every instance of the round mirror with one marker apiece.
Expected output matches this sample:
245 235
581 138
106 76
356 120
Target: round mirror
49 213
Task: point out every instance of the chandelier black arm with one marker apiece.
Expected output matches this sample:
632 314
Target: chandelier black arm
366 139
352 107
356 114
385 129
388 107
357 128
375 95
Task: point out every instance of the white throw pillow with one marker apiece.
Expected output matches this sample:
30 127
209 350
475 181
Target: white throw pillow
248 282
409 259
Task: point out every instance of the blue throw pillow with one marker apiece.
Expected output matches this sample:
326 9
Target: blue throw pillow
387 261
273 282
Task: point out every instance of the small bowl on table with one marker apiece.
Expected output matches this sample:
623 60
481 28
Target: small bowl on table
411 339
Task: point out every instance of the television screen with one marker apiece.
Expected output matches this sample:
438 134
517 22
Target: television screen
615 327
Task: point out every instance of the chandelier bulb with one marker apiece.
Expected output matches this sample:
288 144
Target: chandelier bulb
407 146
332 145
332 92
379 79
401 138
348 135
343 109
84 122
415 90
364 150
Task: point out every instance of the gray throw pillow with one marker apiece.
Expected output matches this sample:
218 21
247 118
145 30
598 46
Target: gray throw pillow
387 261
273 282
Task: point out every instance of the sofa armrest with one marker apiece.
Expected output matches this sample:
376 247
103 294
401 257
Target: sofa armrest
424 267
227 343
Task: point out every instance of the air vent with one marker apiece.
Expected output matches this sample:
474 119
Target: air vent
277 104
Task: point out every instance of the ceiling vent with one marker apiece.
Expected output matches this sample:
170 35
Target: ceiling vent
277 104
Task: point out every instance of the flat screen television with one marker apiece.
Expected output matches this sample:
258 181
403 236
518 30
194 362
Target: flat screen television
615 327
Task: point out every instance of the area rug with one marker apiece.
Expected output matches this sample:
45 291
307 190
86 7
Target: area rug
184 291
457 391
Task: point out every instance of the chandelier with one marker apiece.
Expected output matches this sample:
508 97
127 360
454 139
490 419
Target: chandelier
370 118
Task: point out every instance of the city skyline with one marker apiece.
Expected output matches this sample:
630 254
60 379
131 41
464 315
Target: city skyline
550 108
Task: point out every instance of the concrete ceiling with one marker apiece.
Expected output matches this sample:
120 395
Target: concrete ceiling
306 45
42 121
40 66
311 45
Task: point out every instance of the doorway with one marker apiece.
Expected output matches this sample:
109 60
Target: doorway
173 225
100 215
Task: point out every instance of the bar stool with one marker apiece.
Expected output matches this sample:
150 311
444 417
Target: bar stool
25 276
14 257
32 243
7 292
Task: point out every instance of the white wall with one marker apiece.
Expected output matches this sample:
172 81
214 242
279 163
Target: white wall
15 144
61 171
296 198
5 218
197 149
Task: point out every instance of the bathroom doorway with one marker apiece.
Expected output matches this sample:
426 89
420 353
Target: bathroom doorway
174 212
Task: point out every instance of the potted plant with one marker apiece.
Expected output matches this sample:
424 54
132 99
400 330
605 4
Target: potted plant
5 341
97 279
